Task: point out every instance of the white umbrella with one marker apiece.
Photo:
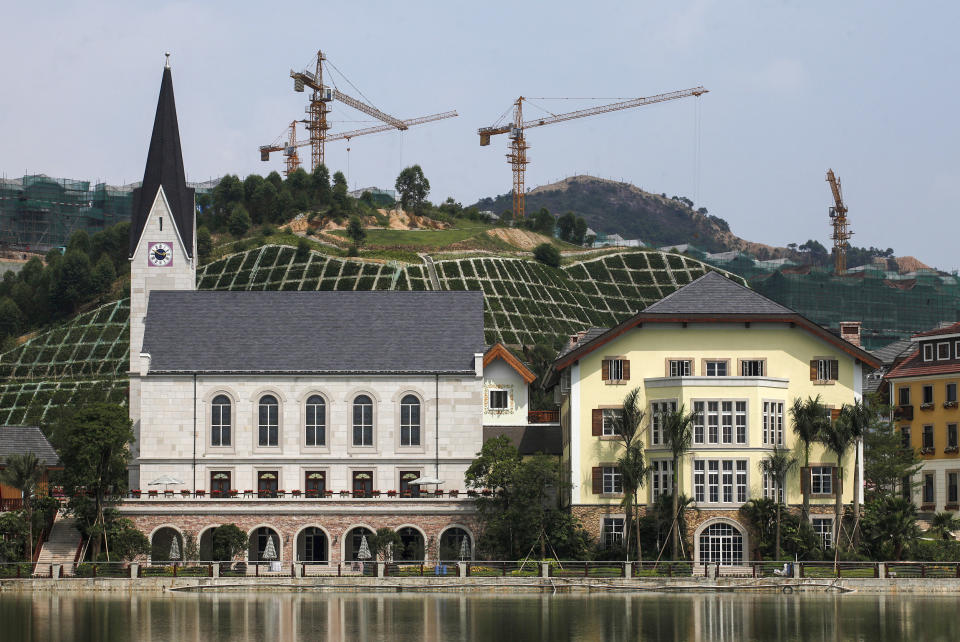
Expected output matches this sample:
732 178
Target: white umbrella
425 480
364 552
464 549
174 549
270 551
165 480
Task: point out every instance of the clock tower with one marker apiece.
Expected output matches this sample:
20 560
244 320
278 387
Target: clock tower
162 231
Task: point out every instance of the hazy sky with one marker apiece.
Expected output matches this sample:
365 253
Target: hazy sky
867 88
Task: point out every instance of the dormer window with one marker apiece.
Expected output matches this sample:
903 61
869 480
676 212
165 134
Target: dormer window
928 352
943 351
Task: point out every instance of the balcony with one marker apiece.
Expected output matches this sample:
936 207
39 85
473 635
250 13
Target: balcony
543 416
903 412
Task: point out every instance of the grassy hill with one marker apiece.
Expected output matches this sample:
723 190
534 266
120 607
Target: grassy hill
613 207
527 303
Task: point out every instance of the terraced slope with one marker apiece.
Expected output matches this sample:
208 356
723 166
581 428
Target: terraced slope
526 303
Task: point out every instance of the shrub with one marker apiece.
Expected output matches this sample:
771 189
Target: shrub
547 254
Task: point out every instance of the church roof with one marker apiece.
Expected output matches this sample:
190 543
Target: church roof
164 169
313 332
20 440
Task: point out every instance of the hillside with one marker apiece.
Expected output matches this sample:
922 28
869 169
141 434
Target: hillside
526 303
613 207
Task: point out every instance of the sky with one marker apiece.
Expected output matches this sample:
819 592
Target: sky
795 88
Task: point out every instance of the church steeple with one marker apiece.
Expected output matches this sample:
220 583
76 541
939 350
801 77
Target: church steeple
164 170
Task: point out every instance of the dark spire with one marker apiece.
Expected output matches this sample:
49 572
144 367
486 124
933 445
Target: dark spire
164 169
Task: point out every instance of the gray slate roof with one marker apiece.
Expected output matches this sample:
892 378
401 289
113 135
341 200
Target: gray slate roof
313 332
529 440
892 351
588 336
714 293
19 440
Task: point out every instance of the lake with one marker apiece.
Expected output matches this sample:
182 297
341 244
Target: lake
433 617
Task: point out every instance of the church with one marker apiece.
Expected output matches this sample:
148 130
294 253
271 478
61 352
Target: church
307 418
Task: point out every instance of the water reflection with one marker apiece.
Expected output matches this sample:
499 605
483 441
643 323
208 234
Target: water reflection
70 617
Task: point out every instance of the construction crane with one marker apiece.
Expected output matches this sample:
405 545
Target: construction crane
289 148
838 217
518 144
318 109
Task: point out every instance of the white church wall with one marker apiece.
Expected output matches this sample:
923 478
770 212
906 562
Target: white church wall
498 375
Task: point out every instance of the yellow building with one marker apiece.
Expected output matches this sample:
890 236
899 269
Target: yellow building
923 389
739 360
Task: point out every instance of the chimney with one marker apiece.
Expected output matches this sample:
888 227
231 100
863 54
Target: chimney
850 332
575 339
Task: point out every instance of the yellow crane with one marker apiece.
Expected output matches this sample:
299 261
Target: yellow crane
517 156
290 145
841 233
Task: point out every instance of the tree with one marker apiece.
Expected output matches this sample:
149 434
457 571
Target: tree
204 244
228 542
565 226
809 418
23 472
94 449
264 203
11 319
778 465
889 463
126 540
14 535
71 280
579 231
320 184
521 514
544 222
303 250
889 524
858 417
385 543
678 436
79 242
943 525
547 254
837 436
239 221
339 199
103 275
631 464
355 231
413 188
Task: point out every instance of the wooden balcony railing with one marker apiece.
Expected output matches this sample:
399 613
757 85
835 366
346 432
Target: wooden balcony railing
543 416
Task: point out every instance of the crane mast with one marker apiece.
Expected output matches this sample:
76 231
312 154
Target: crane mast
517 155
841 232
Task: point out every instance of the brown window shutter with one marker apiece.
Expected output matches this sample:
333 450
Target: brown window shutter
605 369
834 413
597 422
626 369
597 480
834 370
813 370
804 479
833 480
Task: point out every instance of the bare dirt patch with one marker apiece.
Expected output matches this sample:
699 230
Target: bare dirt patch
523 239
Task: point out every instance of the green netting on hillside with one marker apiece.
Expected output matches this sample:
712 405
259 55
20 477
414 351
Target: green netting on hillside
526 303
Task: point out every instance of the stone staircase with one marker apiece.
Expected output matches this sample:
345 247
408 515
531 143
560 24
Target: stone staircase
61 546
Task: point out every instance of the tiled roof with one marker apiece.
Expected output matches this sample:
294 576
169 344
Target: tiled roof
893 351
915 366
950 329
313 332
19 440
714 293
587 337
529 440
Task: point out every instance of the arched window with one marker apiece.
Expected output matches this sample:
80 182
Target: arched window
362 421
269 423
409 421
220 421
316 427
721 543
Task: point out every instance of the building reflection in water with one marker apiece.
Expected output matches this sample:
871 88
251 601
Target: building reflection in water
455 617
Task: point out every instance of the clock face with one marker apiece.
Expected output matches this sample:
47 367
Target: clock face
160 254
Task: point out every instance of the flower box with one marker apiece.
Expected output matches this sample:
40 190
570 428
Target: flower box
949 404
391 493
926 406
135 493
185 493
927 508
200 493
950 450
295 493
926 450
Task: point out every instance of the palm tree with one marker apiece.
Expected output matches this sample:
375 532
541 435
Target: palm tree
809 418
859 416
662 509
777 465
943 525
23 472
631 464
678 436
837 436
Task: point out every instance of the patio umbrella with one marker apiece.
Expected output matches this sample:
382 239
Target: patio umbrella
425 480
270 551
464 549
364 552
174 549
165 480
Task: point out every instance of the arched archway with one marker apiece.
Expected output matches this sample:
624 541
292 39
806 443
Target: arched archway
206 544
265 545
412 545
456 543
352 541
721 541
166 545
313 545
